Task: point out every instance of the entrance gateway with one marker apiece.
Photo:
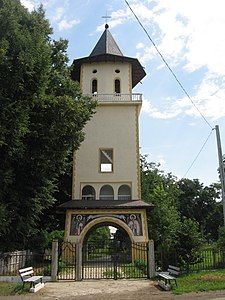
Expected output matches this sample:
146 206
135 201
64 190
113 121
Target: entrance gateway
106 174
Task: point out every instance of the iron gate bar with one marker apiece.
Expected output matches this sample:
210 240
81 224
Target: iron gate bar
67 261
113 262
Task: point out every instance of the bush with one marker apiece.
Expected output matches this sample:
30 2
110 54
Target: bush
140 264
221 239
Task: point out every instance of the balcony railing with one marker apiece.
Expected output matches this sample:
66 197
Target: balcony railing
116 97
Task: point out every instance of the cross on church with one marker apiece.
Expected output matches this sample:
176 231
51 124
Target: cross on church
106 17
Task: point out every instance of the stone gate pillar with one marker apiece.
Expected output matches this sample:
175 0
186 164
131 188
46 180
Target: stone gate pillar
78 262
151 259
54 264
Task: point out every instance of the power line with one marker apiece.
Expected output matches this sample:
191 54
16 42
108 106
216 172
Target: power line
198 153
172 72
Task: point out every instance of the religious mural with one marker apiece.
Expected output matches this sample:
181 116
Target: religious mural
78 222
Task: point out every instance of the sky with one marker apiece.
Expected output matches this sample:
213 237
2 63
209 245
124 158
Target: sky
190 36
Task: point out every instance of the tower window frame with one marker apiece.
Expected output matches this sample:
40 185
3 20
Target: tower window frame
106 160
117 86
94 86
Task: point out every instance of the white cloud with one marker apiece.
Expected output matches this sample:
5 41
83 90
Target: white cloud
171 111
29 4
120 16
59 13
161 160
140 46
189 35
208 98
67 24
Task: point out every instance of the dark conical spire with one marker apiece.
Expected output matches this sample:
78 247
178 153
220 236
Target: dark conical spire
106 44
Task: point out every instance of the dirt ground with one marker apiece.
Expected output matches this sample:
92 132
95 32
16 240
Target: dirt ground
111 290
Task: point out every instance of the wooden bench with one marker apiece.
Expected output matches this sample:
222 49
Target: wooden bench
165 278
26 275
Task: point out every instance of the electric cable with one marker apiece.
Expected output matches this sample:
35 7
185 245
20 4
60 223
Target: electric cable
198 153
170 69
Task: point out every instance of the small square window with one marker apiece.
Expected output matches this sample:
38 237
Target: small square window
106 160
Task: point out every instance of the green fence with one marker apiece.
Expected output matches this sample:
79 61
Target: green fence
207 259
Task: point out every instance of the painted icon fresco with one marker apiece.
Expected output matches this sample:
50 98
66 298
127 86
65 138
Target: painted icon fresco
79 221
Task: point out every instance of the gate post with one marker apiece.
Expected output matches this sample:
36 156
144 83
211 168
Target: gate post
54 264
78 275
151 259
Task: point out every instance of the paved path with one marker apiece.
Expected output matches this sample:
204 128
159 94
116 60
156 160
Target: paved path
111 290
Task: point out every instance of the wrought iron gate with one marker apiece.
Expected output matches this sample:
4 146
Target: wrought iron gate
67 261
113 262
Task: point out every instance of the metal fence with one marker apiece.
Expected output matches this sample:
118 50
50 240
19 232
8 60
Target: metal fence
113 262
207 259
11 262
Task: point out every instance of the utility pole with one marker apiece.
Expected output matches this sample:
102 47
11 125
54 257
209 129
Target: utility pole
221 168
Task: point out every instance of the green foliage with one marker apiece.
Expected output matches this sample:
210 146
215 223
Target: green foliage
99 236
163 192
189 242
141 264
202 205
221 239
42 114
42 239
185 214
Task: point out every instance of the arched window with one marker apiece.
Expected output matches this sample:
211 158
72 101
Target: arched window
124 192
106 193
88 192
94 88
117 86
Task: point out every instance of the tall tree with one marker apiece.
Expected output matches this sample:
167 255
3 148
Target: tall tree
201 203
162 191
42 114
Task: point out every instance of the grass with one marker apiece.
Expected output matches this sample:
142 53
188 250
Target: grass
10 288
200 282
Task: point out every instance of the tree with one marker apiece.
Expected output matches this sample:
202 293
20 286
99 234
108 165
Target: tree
99 237
201 203
42 114
189 242
177 236
221 239
162 191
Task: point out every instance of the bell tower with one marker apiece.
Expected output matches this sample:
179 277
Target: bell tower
106 173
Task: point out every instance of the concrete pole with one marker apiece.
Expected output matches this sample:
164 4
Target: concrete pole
221 168
78 275
54 265
151 259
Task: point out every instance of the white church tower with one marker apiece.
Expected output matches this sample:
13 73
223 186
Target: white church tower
106 171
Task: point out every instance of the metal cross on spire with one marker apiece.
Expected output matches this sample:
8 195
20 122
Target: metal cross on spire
106 17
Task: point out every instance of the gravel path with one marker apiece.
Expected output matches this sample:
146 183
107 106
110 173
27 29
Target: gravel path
111 290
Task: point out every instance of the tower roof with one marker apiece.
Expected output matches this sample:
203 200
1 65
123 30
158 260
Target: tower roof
107 50
106 45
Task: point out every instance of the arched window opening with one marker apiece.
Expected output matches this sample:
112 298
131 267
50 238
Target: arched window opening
88 192
124 192
106 193
117 86
94 86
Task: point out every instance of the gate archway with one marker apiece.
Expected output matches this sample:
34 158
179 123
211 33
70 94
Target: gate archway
111 253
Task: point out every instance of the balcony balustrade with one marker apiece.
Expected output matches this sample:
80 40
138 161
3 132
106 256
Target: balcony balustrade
116 97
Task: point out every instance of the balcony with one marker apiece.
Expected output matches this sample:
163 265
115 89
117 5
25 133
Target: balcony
116 97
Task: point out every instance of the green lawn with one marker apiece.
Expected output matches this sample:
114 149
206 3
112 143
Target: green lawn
200 282
9 289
